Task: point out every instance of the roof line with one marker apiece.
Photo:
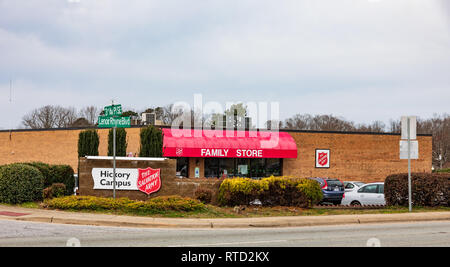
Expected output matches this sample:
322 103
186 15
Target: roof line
193 128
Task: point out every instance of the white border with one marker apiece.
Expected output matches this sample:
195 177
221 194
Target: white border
317 157
126 158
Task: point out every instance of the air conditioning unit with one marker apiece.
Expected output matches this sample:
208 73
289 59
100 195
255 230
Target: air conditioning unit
148 118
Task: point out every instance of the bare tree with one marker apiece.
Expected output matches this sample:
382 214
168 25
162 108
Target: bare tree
169 114
90 113
439 127
318 123
49 117
374 127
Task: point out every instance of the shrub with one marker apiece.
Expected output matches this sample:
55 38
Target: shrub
88 142
45 170
55 190
203 195
56 174
272 191
20 183
239 191
121 142
154 205
151 142
63 174
427 189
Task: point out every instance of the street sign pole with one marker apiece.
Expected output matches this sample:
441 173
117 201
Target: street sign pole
409 165
112 118
114 161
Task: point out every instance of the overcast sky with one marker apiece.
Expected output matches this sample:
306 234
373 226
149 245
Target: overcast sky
364 60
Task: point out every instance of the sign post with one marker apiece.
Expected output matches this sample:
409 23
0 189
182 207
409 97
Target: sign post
409 127
114 161
112 118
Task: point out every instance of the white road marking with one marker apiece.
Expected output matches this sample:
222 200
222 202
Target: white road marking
231 243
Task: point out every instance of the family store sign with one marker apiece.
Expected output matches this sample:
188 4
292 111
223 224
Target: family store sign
145 180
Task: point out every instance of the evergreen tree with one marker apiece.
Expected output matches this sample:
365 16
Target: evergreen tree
88 142
151 142
121 142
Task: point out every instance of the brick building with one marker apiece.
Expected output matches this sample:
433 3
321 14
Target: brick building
366 157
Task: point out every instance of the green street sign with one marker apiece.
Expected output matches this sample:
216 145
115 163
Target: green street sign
110 122
114 110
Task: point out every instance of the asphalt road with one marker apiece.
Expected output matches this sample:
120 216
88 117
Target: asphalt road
14 233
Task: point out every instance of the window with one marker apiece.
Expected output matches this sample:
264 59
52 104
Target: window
226 167
349 186
381 189
234 167
273 167
212 168
243 167
182 167
258 168
373 188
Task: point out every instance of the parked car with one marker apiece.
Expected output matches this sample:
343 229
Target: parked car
368 194
332 189
352 185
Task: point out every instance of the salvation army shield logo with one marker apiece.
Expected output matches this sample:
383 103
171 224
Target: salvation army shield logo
179 152
323 159
149 180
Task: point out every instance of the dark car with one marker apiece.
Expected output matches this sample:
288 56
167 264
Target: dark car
333 190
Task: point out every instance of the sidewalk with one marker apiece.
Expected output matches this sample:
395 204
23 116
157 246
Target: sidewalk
79 218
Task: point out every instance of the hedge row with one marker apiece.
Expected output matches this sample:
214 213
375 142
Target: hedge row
55 174
20 183
272 191
154 205
25 182
428 189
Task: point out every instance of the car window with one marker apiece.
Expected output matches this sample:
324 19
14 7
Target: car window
381 189
334 183
349 186
373 188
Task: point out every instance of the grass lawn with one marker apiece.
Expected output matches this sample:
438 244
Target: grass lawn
212 211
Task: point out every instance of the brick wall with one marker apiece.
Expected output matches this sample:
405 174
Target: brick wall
363 157
54 146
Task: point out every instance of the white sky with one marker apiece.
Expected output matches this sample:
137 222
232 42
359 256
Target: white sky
364 60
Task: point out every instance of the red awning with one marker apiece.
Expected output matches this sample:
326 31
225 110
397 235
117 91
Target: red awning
228 144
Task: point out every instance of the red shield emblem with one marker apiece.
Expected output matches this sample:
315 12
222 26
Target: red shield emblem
323 158
149 180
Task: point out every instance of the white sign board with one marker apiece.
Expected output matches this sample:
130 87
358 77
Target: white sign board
126 179
412 127
322 158
404 149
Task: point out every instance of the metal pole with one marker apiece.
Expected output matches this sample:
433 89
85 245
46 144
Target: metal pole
409 165
114 161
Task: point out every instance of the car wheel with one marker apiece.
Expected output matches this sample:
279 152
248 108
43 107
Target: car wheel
355 203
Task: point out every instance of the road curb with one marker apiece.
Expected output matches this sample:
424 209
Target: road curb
61 217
